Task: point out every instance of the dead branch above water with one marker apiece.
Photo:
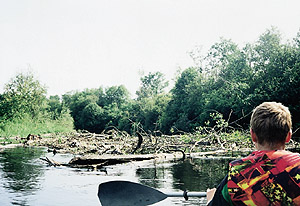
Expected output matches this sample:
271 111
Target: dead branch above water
114 147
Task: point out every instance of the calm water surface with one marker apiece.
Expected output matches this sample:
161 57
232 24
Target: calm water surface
25 180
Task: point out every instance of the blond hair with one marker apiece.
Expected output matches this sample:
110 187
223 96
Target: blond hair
271 122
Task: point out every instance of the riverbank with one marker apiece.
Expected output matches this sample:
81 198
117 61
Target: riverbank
121 143
113 147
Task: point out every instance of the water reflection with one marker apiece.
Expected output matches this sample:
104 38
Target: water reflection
192 174
152 176
20 172
196 174
25 180
199 174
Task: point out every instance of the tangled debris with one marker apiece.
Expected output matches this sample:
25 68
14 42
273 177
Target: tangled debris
113 143
114 146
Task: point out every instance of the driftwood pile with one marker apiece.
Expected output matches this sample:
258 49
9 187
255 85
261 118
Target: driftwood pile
113 142
114 147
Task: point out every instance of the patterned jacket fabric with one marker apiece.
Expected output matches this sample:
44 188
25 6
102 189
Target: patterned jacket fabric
265 178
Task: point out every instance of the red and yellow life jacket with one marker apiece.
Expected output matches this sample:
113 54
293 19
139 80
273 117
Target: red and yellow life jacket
265 178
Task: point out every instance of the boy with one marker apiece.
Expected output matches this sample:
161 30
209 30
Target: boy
270 175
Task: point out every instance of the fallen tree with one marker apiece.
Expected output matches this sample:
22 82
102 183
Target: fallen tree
98 161
115 147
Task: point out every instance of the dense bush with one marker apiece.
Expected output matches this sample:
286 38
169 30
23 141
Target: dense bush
24 109
228 80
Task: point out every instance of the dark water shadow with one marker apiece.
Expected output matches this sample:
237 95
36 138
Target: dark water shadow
20 172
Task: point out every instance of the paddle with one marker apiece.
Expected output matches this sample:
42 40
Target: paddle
121 193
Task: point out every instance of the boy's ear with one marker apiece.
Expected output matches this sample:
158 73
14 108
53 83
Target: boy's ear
288 136
253 136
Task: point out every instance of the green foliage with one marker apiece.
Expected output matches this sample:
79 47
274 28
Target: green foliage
95 109
152 85
148 111
25 109
151 103
56 109
228 80
182 111
93 118
217 131
115 95
233 80
77 101
23 94
26 125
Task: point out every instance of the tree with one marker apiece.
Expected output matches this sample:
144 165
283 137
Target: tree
147 109
115 94
225 91
95 110
152 84
57 110
182 110
54 107
77 101
93 118
24 94
24 103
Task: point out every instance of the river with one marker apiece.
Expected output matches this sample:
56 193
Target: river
25 180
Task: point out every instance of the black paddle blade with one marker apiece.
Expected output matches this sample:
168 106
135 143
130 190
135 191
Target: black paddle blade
121 193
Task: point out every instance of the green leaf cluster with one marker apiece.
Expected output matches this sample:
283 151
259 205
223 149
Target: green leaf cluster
25 109
233 81
229 81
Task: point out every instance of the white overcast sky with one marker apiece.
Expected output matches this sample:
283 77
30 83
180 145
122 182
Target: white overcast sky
77 44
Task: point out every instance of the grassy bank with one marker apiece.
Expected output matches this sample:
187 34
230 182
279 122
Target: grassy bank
21 127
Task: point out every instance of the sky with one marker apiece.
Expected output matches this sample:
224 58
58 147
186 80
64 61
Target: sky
71 45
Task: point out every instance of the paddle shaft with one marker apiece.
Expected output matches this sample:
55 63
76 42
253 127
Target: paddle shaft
188 194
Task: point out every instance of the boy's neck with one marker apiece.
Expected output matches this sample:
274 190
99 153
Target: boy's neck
269 147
